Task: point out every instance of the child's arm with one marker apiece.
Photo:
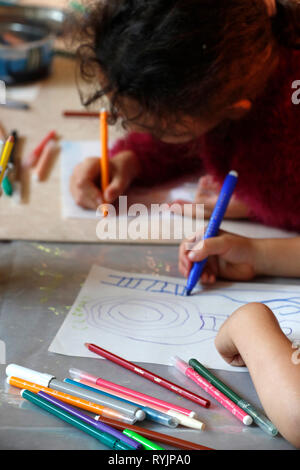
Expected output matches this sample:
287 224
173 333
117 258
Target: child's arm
252 337
241 259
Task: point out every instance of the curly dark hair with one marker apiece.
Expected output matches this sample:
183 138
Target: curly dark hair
181 57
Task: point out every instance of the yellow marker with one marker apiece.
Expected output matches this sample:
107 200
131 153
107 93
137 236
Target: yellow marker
6 156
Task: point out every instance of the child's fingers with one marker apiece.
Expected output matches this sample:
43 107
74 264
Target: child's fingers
208 247
88 196
83 185
115 189
187 209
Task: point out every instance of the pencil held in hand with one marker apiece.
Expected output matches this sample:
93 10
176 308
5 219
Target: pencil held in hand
104 163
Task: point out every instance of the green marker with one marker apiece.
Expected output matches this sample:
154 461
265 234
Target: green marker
148 445
7 186
106 439
262 421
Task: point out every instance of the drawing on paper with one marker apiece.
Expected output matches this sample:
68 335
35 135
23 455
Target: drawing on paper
149 318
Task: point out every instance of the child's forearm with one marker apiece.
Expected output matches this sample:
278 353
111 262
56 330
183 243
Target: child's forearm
272 362
277 257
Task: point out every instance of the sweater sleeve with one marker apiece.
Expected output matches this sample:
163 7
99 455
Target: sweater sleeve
160 161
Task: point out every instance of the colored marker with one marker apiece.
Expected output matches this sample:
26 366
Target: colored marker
79 375
213 226
148 375
186 420
87 114
44 162
148 445
105 438
157 436
151 413
89 420
171 414
5 156
262 421
72 400
50 381
183 367
35 155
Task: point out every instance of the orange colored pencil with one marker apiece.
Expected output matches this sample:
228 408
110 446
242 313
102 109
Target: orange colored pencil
104 161
65 397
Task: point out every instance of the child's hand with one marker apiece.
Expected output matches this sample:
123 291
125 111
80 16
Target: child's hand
229 256
85 180
207 193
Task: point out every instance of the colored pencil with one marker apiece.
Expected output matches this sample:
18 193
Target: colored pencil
104 161
148 375
79 375
156 436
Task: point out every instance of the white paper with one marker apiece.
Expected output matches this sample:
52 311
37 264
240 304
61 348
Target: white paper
146 318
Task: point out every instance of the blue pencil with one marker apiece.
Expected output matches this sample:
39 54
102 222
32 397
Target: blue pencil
213 226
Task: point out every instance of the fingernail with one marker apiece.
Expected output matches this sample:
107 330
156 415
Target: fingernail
192 255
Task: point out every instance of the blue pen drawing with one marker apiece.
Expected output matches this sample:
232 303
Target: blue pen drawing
148 318
168 317
145 284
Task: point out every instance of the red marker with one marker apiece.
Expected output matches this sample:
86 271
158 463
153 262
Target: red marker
35 155
149 375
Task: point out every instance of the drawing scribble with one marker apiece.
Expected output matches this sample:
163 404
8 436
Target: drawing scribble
148 319
159 320
153 321
146 285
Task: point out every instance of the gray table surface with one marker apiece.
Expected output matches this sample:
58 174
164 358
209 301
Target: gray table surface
38 284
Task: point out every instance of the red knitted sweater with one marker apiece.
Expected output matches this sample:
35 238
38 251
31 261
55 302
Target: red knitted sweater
263 147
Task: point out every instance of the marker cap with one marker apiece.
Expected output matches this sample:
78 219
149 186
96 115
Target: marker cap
179 364
186 421
29 375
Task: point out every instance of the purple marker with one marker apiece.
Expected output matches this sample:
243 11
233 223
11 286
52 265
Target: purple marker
87 419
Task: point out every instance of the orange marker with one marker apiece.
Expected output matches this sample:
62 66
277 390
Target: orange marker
104 161
35 155
71 400
42 166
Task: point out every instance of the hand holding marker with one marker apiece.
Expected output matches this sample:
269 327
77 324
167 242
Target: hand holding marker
213 226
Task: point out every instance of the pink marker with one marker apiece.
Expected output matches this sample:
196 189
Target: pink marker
211 390
81 375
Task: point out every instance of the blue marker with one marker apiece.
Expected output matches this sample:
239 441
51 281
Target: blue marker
151 414
213 226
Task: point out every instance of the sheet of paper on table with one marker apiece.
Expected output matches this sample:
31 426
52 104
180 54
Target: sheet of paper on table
73 152
146 318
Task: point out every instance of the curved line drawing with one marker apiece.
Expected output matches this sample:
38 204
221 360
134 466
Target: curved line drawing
158 321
